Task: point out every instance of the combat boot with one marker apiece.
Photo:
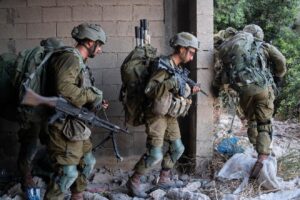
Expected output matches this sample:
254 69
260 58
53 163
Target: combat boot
135 187
77 196
258 165
165 181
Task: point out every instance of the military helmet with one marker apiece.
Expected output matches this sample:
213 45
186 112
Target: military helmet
229 32
92 32
51 43
185 39
255 30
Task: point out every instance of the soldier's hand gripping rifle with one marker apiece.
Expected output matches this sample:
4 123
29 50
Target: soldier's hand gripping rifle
181 74
64 108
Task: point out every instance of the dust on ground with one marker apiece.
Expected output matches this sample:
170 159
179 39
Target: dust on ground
106 183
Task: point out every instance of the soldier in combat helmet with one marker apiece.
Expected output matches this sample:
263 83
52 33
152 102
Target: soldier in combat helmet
31 129
70 147
163 127
256 92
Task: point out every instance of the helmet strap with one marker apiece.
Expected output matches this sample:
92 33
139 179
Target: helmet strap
91 50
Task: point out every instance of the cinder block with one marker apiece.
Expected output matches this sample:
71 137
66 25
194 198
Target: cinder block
160 44
12 31
110 92
125 28
121 58
111 77
64 29
4 46
119 44
97 73
72 2
41 3
205 7
103 61
28 15
206 148
156 2
140 2
41 30
22 44
3 16
206 41
205 24
57 14
148 12
12 3
205 59
157 28
88 13
110 28
123 13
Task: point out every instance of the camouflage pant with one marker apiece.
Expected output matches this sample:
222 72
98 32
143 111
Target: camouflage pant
29 139
64 152
160 130
259 110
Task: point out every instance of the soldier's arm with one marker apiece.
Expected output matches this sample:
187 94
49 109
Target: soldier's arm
67 71
159 83
278 59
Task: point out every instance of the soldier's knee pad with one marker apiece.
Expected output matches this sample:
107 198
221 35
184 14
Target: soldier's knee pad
155 156
70 174
176 149
89 163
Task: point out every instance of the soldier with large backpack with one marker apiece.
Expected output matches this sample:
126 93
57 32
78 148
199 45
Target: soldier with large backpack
69 146
32 128
167 98
249 65
15 69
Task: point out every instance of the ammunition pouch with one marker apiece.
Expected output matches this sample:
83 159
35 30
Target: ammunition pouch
161 105
168 104
179 106
76 130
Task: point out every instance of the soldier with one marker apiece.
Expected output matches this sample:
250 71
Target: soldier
259 108
163 127
253 82
31 129
70 147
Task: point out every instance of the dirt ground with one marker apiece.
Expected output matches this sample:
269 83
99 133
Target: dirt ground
106 183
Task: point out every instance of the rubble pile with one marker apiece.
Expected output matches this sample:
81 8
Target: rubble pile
227 177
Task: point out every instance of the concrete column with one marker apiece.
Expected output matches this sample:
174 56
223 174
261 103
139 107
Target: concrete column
201 116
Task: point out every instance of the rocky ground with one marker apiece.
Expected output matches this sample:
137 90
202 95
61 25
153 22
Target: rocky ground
110 184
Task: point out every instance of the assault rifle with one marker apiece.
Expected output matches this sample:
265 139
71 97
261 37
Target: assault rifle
64 108
182 75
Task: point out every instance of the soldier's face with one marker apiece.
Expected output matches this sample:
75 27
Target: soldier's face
187 54
96 47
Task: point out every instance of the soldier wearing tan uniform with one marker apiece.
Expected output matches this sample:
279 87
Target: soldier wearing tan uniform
33 126
70 148
256 98
161 119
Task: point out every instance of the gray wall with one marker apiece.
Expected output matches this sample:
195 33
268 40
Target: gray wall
23 23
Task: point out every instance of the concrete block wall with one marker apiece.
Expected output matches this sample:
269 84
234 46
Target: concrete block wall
23 23
204 125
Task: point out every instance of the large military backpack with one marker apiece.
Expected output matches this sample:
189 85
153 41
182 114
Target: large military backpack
19 71
244 63
135 75
31 73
